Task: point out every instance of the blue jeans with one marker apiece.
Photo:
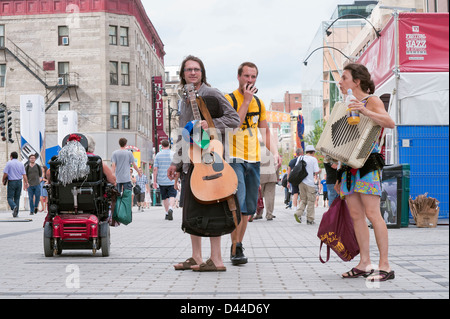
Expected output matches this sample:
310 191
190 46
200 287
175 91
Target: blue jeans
13 193
331 193
121 186
34 191
248 185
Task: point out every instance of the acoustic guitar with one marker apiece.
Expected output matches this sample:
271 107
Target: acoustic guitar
213 180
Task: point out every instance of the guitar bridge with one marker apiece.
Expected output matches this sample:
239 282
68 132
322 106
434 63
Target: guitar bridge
211 177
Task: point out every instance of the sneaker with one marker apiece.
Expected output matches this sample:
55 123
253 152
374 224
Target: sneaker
239 258
15 211
310 222
298 218
170 214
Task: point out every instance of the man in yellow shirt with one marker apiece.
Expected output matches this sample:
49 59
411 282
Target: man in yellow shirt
244 150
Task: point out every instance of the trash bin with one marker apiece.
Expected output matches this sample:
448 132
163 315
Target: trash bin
156 197
395 195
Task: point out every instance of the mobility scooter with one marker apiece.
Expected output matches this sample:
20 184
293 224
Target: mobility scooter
77 211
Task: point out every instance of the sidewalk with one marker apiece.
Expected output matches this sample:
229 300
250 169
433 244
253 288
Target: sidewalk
283 263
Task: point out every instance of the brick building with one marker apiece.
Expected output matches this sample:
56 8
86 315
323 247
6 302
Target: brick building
95 57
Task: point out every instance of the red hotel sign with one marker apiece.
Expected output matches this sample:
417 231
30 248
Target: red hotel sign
159 110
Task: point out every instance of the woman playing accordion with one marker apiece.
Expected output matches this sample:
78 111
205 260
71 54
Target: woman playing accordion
362 187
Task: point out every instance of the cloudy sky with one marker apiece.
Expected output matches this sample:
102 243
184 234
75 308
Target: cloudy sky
274 34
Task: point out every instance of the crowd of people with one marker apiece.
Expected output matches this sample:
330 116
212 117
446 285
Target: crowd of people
239 117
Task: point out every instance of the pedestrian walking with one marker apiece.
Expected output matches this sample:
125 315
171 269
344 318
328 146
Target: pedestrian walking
121 160
13 173
268 181
166 186
244 149
361 187
307 187
142 182
193 72
34 173
294 188
44 194
324 188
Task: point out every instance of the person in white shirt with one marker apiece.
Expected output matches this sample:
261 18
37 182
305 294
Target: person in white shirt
307 188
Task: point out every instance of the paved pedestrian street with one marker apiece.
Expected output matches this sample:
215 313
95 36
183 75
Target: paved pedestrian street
283 263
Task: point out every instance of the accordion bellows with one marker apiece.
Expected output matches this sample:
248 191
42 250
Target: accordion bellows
349 144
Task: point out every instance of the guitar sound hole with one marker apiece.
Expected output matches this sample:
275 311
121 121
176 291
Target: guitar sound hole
208 158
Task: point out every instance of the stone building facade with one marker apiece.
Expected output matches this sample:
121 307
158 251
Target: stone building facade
95 57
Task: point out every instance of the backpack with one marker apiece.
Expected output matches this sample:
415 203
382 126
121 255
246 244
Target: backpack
298 173
250 114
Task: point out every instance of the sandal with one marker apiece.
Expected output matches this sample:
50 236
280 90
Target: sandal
355 273
186 265
209 266
384 275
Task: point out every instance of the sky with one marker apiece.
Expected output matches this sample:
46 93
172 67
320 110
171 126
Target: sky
274 34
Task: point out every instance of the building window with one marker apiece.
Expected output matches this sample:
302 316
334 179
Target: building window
126 115
113 35
63 73
64 106
114 114
63 35
125 67
2 75
124 36
113 73
2 35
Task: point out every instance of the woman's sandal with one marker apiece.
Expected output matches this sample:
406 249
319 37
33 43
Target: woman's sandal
355 273
209 266
383 275
185 265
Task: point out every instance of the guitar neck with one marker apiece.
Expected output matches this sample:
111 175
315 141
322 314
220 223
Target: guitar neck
195 110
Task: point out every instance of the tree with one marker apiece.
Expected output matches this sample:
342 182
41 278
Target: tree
312 138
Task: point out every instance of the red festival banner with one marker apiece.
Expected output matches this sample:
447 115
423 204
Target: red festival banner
423 42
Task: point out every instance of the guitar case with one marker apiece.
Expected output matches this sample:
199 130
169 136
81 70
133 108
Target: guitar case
211 220
202 220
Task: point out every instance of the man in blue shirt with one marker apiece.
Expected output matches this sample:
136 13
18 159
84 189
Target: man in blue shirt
12 174
160 166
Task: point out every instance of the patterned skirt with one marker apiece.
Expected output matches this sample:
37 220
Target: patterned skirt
368 184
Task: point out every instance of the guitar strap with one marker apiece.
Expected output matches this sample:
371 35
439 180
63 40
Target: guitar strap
205 112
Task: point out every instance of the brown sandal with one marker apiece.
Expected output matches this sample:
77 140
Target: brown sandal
185 265
209 266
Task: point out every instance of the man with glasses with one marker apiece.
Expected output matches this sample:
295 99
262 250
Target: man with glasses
193 72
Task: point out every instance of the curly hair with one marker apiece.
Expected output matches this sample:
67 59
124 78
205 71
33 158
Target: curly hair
360 72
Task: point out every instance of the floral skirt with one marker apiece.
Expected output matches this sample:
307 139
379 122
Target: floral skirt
369 184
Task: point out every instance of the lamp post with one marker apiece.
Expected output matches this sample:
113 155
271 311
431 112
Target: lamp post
176 113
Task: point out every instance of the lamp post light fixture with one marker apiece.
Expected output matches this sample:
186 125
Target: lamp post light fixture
351 58
377 32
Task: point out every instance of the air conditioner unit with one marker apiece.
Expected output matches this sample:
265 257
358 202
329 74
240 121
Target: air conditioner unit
60 81
65 40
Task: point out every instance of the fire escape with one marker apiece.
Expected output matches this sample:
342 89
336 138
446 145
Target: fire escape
53 91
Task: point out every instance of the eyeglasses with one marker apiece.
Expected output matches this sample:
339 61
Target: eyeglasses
196 70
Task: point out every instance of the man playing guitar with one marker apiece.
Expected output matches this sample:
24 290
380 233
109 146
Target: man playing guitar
193 72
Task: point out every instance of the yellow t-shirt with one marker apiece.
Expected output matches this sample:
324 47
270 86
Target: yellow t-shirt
243 142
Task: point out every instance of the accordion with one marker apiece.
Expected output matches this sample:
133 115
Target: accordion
349 144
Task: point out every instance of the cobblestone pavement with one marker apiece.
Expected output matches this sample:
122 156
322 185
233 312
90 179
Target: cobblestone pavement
283 263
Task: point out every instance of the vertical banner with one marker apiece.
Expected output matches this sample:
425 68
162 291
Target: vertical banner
158 112
32 126
67 124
